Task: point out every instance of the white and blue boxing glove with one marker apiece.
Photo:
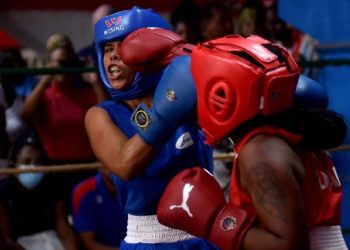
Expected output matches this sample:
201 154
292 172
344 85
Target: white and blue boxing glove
174 102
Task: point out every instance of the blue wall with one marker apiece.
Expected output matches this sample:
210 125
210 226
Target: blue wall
329 22
325 20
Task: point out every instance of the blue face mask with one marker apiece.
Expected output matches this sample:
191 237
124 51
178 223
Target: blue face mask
29 180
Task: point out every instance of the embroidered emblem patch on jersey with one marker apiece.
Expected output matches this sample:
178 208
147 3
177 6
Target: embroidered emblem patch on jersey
142 118
184 141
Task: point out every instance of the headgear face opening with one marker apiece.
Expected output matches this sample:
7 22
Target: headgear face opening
238 78
116 27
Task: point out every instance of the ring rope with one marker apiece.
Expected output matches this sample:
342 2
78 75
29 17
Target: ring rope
53 168
97 165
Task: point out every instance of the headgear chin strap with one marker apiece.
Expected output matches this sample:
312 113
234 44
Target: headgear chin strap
116 27
141 84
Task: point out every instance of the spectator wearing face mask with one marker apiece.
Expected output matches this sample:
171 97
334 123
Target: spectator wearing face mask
31 215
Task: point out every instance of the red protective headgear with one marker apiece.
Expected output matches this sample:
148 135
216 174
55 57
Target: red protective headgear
238 78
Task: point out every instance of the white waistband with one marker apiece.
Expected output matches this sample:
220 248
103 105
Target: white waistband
322 238
147 229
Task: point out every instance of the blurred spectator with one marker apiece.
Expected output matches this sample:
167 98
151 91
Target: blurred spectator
97 214
260 17
304 47
278 31
32 216
216 21
88 54
275 29
4 146
57 106
185 21
250 20
14 87
7 42
246 23
32 58
4 143
3 103
268 3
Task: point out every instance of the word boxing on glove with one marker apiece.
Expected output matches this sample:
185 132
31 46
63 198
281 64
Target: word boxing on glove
151 49
194 202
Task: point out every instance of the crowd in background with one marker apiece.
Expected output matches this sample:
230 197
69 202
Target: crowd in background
42 123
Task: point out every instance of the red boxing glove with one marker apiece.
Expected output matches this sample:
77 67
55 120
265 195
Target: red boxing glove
194 202
151 49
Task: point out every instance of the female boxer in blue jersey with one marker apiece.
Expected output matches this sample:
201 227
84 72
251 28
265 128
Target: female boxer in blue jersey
142 163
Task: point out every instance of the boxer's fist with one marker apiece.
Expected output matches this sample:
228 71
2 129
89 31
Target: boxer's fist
151 49
195 203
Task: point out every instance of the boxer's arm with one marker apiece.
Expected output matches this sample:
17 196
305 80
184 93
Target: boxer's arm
274 187
127 158
272 174
32 107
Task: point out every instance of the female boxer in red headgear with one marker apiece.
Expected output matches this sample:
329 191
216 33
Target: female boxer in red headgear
284 193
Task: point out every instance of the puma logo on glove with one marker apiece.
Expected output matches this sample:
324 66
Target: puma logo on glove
185 195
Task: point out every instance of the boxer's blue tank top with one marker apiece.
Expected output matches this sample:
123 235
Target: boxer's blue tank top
184 149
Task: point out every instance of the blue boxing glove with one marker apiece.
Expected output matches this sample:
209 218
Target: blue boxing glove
310 94
174 103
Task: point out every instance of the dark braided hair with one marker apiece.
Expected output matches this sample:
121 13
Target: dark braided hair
320 128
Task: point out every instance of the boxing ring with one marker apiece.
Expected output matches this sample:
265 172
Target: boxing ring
326 68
